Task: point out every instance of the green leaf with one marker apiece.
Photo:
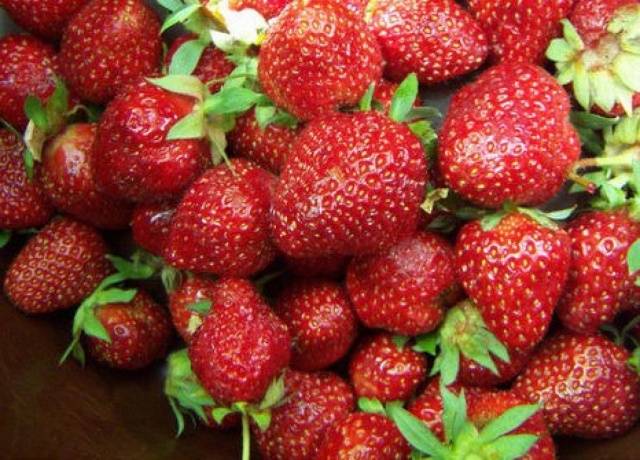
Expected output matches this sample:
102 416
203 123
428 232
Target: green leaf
5 236
262 419
171 5
275 393
187 85
29 162
179 16
454 412
427 343
202 307
561 214
592 121
190 127
219 414
35 111
491 221
371 406
265 115
115 295
232 101
514 446
186 58
58 103
450 363
93 327
130 270
178 415
400 341
404 98
635 176
613 196
508 421
416 432
367 99
424 112
633 257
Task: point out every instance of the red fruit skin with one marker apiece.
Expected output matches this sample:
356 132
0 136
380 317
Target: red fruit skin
107 45
584 384
57 268
269 147
132 159
472 374
313 403
45 18
362 436
317 57
353 184
380 369
438 40
140 332
321 321
267 8
29 67
515 273
599 285
403 289
23 203
591 18
332 267
68 180
222 224
150 225
489 153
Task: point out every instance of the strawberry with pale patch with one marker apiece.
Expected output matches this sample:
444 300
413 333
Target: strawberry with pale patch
45 18
150 225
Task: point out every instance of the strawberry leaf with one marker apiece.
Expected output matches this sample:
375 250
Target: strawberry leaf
592 121
404 98
179 16
219 414
262 419
633 257
416 432
186 58
400 341
427 343
29 162
234 100
114 295
35 111
171 5
187 85
508 421
130 270
274 395
5 236
491 221
514 446
93 327
190 127
202 307
367 99
371 406
454 412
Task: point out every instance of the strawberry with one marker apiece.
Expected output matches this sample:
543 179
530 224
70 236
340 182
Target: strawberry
132 158
57 268
150 225
353 184
507 137
222 224
386 369
585 385
321 321
45 18
473 374
317 57
364 436
600 285
438 40
317 267
23 203
313 403
68 180
404 289
267 8
29 67
107 45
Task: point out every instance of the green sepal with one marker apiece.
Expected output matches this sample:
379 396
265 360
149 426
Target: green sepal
404 98
508 421
190 127
416 432
427 343
400 341
219 413
187 85
5 237
432 198
180 16
371 406
634 360
514 446
427 135
633 258
592 121
233 100
202 307
454 412
271 115
186 58
366 102
29 163
133 270
274 395
262 419
35 111
491 221
171 5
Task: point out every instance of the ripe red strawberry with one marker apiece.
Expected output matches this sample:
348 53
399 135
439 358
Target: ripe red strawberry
317 57
353 184
29 67
57 268
507 137
222 224
267 8
317 267
68 180
23 203
46 18
140 332
515 273
132 158
473 374
313 403
107 45
364 436
438 40
385 370
585 385
405 288
599 285
150 225
321 321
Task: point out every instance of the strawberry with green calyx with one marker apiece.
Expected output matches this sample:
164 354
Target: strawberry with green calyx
588 125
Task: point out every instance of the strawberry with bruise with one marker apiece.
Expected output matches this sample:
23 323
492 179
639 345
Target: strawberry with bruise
267 8
321 322
45 18
107 45
221 226
150 225
404 288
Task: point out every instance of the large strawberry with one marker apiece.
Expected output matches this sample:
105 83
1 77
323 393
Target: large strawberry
107 45
507 137
404 289
57 268
133 159
585 385
317 57
267 8
46 18
150 225
221 225
353 184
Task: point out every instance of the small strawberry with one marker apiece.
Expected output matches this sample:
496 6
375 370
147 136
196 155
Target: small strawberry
404 289
317 57
29 67
321 322
57 268
150 225
107 45
221 226
45 18
267 8
332 266
585 384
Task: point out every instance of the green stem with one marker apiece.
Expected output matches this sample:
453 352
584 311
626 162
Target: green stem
246 437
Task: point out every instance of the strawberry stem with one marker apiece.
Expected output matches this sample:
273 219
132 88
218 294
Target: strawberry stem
589 186
246 437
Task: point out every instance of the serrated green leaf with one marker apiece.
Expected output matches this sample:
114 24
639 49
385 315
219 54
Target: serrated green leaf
186 58
202 307
187 85
367 99
508 421
416 432
190 127
93 327
5 237
35 111
454 413
114 295
179 16
371 406
514 446
232 101
404 98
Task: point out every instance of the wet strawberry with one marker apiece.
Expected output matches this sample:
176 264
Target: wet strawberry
45 18
150 225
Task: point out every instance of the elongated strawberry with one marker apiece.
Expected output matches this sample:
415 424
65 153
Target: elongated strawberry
45 18
150 225
267 8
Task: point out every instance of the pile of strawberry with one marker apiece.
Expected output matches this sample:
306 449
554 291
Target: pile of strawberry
346 282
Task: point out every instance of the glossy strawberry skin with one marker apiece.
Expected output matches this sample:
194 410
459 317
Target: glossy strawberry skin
438 40
67 178
23 203
267 8
29 67
515 273
353 184
57 268
591 18
317 57
585 385
489 153
321 321
472 374
221 225
45 18
132 159
107 45
313 403
403 289
150 225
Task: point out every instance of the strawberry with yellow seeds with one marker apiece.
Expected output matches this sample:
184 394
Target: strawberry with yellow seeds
45 18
